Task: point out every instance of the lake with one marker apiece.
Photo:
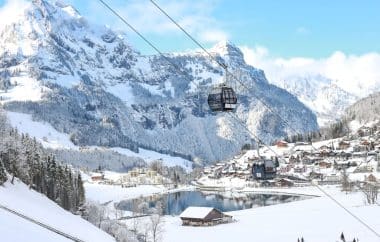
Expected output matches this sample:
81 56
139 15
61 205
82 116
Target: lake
175 203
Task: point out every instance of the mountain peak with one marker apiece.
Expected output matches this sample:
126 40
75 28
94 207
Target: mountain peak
55 10
228 51
224 47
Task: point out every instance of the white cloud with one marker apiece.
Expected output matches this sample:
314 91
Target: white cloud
193 16
12 10
213 36
357 74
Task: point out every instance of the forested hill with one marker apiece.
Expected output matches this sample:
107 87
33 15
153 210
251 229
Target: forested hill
24 158
365 110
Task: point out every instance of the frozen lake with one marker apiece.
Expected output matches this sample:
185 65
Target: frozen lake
175 203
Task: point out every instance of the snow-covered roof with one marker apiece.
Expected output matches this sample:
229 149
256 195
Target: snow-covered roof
196 212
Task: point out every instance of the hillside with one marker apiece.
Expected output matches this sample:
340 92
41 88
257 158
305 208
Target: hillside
20 198
365 110
86 81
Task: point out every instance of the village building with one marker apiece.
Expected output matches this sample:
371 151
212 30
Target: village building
281 144
284 168
361 148
284 182
324 147
364 169
324 164
316 175
203 216
142 176
344 145
96 177
300 169
331 179
371 178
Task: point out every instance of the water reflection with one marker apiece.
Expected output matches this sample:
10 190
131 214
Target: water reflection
175 203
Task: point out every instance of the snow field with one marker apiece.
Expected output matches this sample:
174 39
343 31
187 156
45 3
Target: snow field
37 206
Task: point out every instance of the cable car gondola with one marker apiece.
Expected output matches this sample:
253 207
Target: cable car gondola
222 99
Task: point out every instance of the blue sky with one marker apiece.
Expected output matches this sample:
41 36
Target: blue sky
287 28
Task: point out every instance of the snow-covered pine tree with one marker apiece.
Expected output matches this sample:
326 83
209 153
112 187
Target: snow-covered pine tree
22 157
80 191
3 174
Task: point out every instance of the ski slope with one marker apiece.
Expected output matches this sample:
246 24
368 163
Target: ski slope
20 198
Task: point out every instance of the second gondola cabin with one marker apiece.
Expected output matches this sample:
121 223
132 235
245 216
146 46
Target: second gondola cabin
222 99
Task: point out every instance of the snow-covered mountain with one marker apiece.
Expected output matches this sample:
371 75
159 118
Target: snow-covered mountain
88 82
365 110
320 94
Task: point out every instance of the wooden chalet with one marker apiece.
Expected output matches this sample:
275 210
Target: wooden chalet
97 177
324 164
203 216
324 147
371 178
281 144
299 169
284 182
344 145
316 175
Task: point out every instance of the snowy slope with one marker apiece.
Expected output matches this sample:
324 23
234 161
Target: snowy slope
35 205
11 232
49 137
149 156
43 132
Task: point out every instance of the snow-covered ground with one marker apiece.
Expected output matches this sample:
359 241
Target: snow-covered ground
37 206
105 193
317 219
23 85
44 132
150 156
17 229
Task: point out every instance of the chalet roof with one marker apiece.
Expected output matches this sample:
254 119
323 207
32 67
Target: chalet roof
97 174
196 212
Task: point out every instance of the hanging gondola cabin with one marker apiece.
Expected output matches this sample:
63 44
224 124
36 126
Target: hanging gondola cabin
222 98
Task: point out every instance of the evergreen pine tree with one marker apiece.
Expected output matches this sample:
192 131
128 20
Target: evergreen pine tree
342 237
81 195
3 174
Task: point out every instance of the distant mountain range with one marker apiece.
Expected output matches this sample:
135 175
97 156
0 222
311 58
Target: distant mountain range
320 94
88 82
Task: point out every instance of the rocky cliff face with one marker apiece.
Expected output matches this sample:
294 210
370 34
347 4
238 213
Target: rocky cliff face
87 81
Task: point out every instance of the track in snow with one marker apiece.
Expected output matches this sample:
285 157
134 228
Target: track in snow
41 224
